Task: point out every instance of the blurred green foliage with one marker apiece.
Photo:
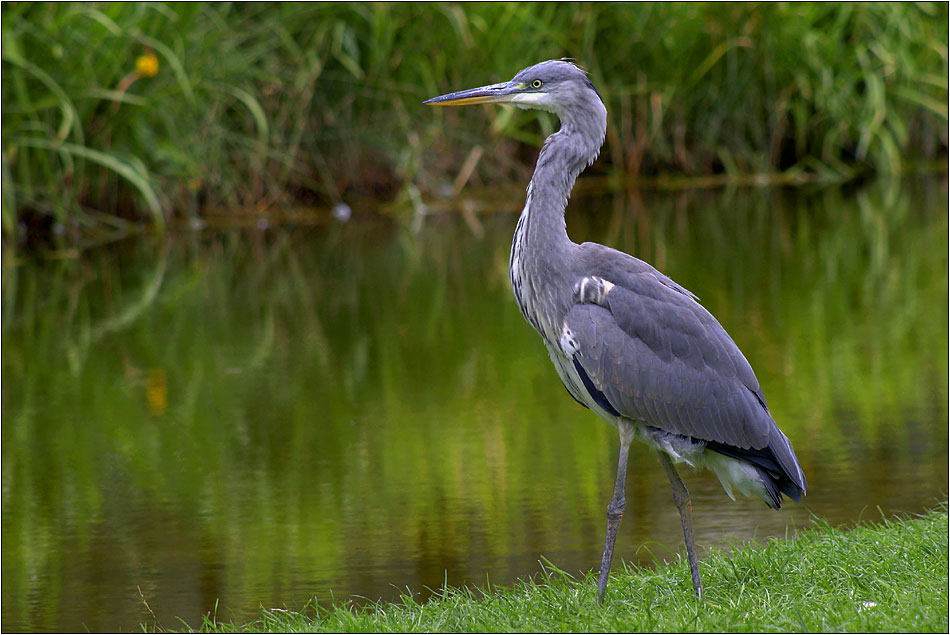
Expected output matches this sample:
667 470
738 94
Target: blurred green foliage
264 416
115 114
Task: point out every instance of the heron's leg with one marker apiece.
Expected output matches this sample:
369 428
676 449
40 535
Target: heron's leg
615 507
681 499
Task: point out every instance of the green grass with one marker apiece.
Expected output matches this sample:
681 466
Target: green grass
259 106
874 577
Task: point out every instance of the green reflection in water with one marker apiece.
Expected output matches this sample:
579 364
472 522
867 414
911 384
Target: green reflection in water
264 417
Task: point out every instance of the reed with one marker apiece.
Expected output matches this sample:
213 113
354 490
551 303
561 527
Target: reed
117 116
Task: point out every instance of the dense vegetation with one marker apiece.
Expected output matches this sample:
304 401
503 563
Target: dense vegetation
119 113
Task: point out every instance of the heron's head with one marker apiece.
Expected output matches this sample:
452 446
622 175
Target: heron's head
557 86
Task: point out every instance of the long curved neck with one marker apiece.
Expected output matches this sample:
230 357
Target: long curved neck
541 249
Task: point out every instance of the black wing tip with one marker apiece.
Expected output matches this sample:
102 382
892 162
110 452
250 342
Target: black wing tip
773 476
778 486
771 488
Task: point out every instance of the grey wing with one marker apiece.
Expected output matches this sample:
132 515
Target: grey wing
659 357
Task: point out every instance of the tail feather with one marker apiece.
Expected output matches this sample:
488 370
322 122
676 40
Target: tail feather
775 479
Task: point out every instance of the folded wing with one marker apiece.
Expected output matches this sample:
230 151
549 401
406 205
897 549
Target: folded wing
658 357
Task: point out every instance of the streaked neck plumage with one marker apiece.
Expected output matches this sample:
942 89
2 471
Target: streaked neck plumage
541 252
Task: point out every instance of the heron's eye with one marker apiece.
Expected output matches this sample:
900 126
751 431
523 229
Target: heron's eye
536 84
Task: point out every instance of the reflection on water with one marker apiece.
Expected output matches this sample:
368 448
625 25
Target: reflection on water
264 417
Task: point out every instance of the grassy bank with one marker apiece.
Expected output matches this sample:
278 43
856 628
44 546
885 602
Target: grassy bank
888 577
123 114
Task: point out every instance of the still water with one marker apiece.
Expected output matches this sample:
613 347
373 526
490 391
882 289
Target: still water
254 418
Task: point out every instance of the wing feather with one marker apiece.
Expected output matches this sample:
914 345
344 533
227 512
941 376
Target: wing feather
657 356
648 358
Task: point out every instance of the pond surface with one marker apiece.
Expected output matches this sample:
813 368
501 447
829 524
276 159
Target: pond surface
240 419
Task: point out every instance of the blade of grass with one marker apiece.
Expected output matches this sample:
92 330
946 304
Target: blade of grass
134 176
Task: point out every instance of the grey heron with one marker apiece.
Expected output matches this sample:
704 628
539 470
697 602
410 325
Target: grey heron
627 341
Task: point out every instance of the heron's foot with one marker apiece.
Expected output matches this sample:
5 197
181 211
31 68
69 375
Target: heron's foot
685 507
697 583
691 556
604 572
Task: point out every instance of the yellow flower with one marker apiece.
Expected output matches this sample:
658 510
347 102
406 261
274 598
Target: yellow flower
147 65
157 391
